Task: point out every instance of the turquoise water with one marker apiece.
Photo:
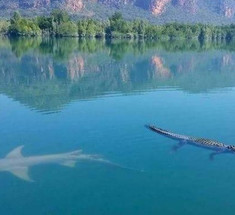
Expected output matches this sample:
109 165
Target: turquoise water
63 95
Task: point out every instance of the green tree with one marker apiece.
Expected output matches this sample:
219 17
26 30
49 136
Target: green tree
45 23
60 16
67 29
21 26
15 18
4 26
82 27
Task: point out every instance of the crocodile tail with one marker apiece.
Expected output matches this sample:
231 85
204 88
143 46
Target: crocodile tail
167 133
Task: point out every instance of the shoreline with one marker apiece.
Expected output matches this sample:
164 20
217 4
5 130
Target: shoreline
59 24
110 38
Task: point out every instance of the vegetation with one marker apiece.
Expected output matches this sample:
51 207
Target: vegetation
22 26
59 24
4 25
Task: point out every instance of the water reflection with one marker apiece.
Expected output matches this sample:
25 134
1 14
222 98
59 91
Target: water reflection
46 74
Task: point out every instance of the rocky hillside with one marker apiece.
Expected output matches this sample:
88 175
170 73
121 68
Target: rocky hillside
213 11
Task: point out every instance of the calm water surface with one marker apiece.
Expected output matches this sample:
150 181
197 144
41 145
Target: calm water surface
59 96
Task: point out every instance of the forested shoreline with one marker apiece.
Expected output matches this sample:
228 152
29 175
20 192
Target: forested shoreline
59 24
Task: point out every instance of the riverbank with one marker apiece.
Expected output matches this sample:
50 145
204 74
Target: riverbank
59 24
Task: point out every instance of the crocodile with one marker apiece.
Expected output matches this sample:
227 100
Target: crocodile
216 146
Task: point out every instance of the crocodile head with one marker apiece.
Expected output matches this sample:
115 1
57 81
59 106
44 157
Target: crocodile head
231 148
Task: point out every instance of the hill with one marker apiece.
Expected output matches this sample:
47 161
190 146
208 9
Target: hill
156 11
